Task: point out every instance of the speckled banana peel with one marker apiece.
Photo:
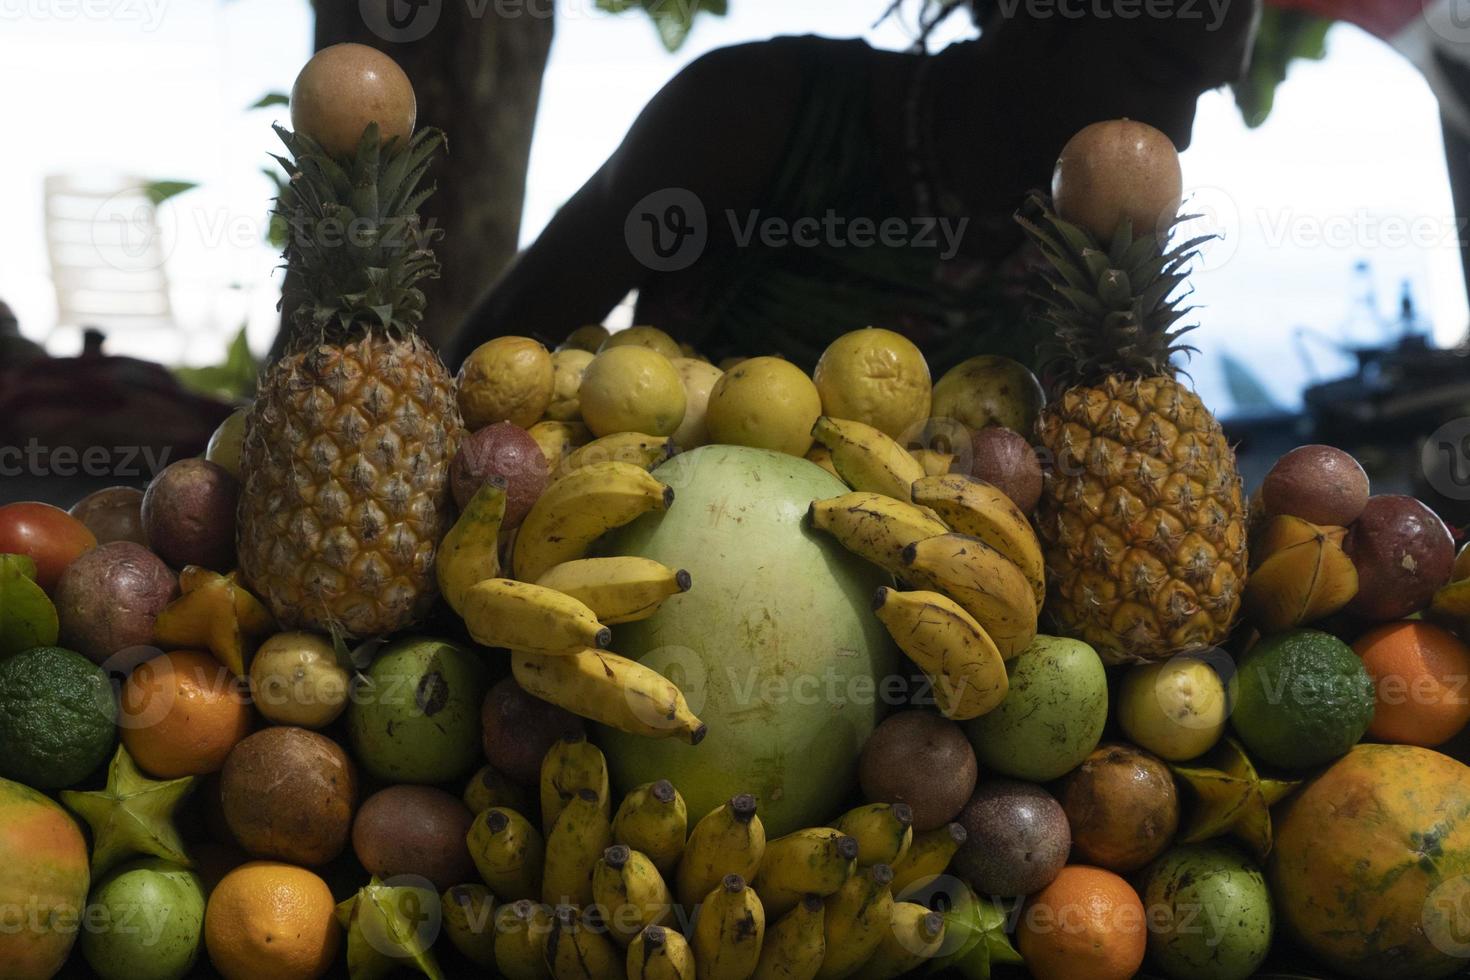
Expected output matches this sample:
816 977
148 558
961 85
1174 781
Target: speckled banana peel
654 820
883 831
521 929
629 893
866 458
557 439
612 690
795 944
470 552
577 948
856 920
581 833
508 852
914 935
469 922
581 507
637 448
730 839
622 589
657 953
814 861
982 510
986 583
571 765
952 649
502 612
875 527
729 929
929 855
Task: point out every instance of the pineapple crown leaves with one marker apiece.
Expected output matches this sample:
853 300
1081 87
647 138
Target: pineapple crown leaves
1111 310
355 243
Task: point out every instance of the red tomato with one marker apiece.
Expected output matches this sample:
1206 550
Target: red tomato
50 536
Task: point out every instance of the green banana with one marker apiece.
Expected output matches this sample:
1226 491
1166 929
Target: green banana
654 819
730 839
883 831
914 935
618 590
795 944
814 861
508 852
581 833
729 929
657 953
629 892
577 948
927 856
571 764
521 929
857 918
468 913
874 526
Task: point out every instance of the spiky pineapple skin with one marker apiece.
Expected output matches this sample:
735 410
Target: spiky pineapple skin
1141 518
345 484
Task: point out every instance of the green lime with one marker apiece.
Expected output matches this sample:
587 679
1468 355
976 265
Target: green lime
1303 698
58 717
144 922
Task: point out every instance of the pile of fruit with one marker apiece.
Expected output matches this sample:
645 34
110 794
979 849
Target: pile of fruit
609 662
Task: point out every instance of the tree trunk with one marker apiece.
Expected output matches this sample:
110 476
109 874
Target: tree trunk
476 67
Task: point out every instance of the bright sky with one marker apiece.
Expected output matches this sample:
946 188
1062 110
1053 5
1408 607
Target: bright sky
1349 167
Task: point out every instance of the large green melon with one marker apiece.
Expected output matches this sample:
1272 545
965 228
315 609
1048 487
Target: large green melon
775 646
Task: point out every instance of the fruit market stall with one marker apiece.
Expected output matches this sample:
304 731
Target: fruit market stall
606 661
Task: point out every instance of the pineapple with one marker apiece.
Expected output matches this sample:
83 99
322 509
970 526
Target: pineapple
345 462
1142 518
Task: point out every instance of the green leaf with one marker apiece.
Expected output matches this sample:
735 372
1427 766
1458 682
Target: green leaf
233 378
673 19
1285 36
159 191
269 99
27 617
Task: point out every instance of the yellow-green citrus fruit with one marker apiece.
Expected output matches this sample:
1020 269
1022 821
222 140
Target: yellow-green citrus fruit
567 367
588 337
295 679
699 379
990 390
874 376
632 389
1175 708
224 444
765 403
342 89
508 379
643 336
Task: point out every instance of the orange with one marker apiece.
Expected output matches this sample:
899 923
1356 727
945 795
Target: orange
1421 674
181 713
267 919
1087 923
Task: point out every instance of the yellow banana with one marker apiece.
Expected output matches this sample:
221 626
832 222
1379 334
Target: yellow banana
935 463
637 448
875 527
501 612
814 861
571 764
983 511
617 590
729 929
468 913
822 456
866 458
927 856
470 552
612 690
488 788
579 508
508 852
914 935
557 439
657 953
577 948
795 944
945 642
521 929
883 831
653 819
857 918
576 841
730 839
629 892
982 580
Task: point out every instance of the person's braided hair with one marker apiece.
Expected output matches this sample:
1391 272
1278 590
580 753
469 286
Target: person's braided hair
932 13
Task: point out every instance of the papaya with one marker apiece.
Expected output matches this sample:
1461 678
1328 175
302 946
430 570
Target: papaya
1371 869
44 876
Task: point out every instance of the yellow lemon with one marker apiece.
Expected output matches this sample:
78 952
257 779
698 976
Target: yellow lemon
588 338
990 390
508 379
632 389
567 367
699 379
1175 708
874 376
651 337
764 402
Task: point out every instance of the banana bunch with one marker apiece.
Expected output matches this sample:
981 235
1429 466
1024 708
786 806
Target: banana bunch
866 458
634 896
578 508
1303 574
954 651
